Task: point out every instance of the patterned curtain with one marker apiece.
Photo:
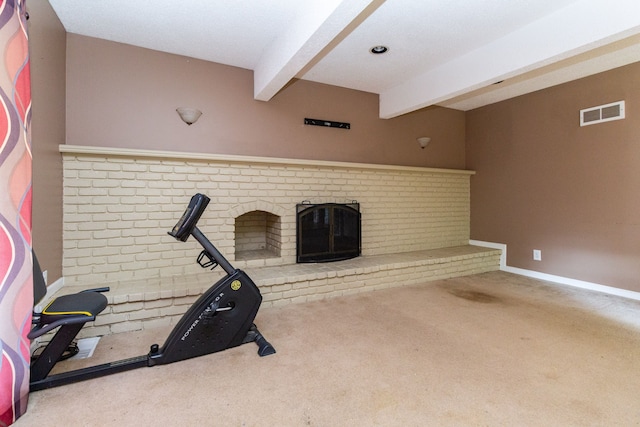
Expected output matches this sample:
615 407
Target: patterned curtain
16 281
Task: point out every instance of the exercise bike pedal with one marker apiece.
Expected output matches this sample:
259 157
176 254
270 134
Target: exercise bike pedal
71 350
209 262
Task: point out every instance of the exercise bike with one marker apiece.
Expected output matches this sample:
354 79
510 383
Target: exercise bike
220 319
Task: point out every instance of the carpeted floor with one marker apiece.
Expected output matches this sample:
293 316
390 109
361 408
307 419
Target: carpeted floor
488 350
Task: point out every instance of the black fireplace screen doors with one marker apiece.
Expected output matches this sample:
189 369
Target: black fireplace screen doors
328 232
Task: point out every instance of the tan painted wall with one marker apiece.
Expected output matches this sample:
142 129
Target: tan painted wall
123 96
543 182
47 45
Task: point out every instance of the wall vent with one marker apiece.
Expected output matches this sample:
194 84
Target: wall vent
602 113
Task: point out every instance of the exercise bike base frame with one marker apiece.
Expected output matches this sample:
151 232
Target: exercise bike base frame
97 371
200 331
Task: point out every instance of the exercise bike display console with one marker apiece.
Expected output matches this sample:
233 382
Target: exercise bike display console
220 319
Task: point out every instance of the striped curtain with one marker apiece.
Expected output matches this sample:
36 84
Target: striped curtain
16 281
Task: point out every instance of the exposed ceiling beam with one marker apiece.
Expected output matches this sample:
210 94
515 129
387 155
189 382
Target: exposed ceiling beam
580 26
307 37
614 55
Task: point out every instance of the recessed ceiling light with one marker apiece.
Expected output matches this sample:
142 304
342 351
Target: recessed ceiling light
377 50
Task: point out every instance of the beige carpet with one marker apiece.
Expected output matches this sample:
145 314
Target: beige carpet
488 350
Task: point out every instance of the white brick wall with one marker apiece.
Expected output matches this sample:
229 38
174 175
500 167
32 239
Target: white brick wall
118 208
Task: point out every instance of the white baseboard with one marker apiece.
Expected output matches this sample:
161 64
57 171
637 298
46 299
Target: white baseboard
553 278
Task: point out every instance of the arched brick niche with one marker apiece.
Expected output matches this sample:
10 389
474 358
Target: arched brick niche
258 235
257 230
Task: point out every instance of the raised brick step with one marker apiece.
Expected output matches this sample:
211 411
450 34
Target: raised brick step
137 305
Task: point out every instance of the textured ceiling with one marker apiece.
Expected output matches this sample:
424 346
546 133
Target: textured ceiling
445 53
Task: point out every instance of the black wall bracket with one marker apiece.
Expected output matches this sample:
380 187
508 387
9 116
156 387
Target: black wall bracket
327 123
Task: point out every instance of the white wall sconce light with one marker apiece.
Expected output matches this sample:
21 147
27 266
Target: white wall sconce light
189 115
423 141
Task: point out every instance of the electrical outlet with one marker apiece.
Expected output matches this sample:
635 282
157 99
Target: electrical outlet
537 255
44 276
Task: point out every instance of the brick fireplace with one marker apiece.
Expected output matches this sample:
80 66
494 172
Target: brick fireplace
119 204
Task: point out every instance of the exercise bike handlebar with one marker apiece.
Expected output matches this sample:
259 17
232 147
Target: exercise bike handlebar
190 217
186 226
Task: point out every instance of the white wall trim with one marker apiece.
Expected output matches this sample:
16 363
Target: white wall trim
553 278
137 153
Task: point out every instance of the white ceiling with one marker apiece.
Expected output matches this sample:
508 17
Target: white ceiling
441 52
